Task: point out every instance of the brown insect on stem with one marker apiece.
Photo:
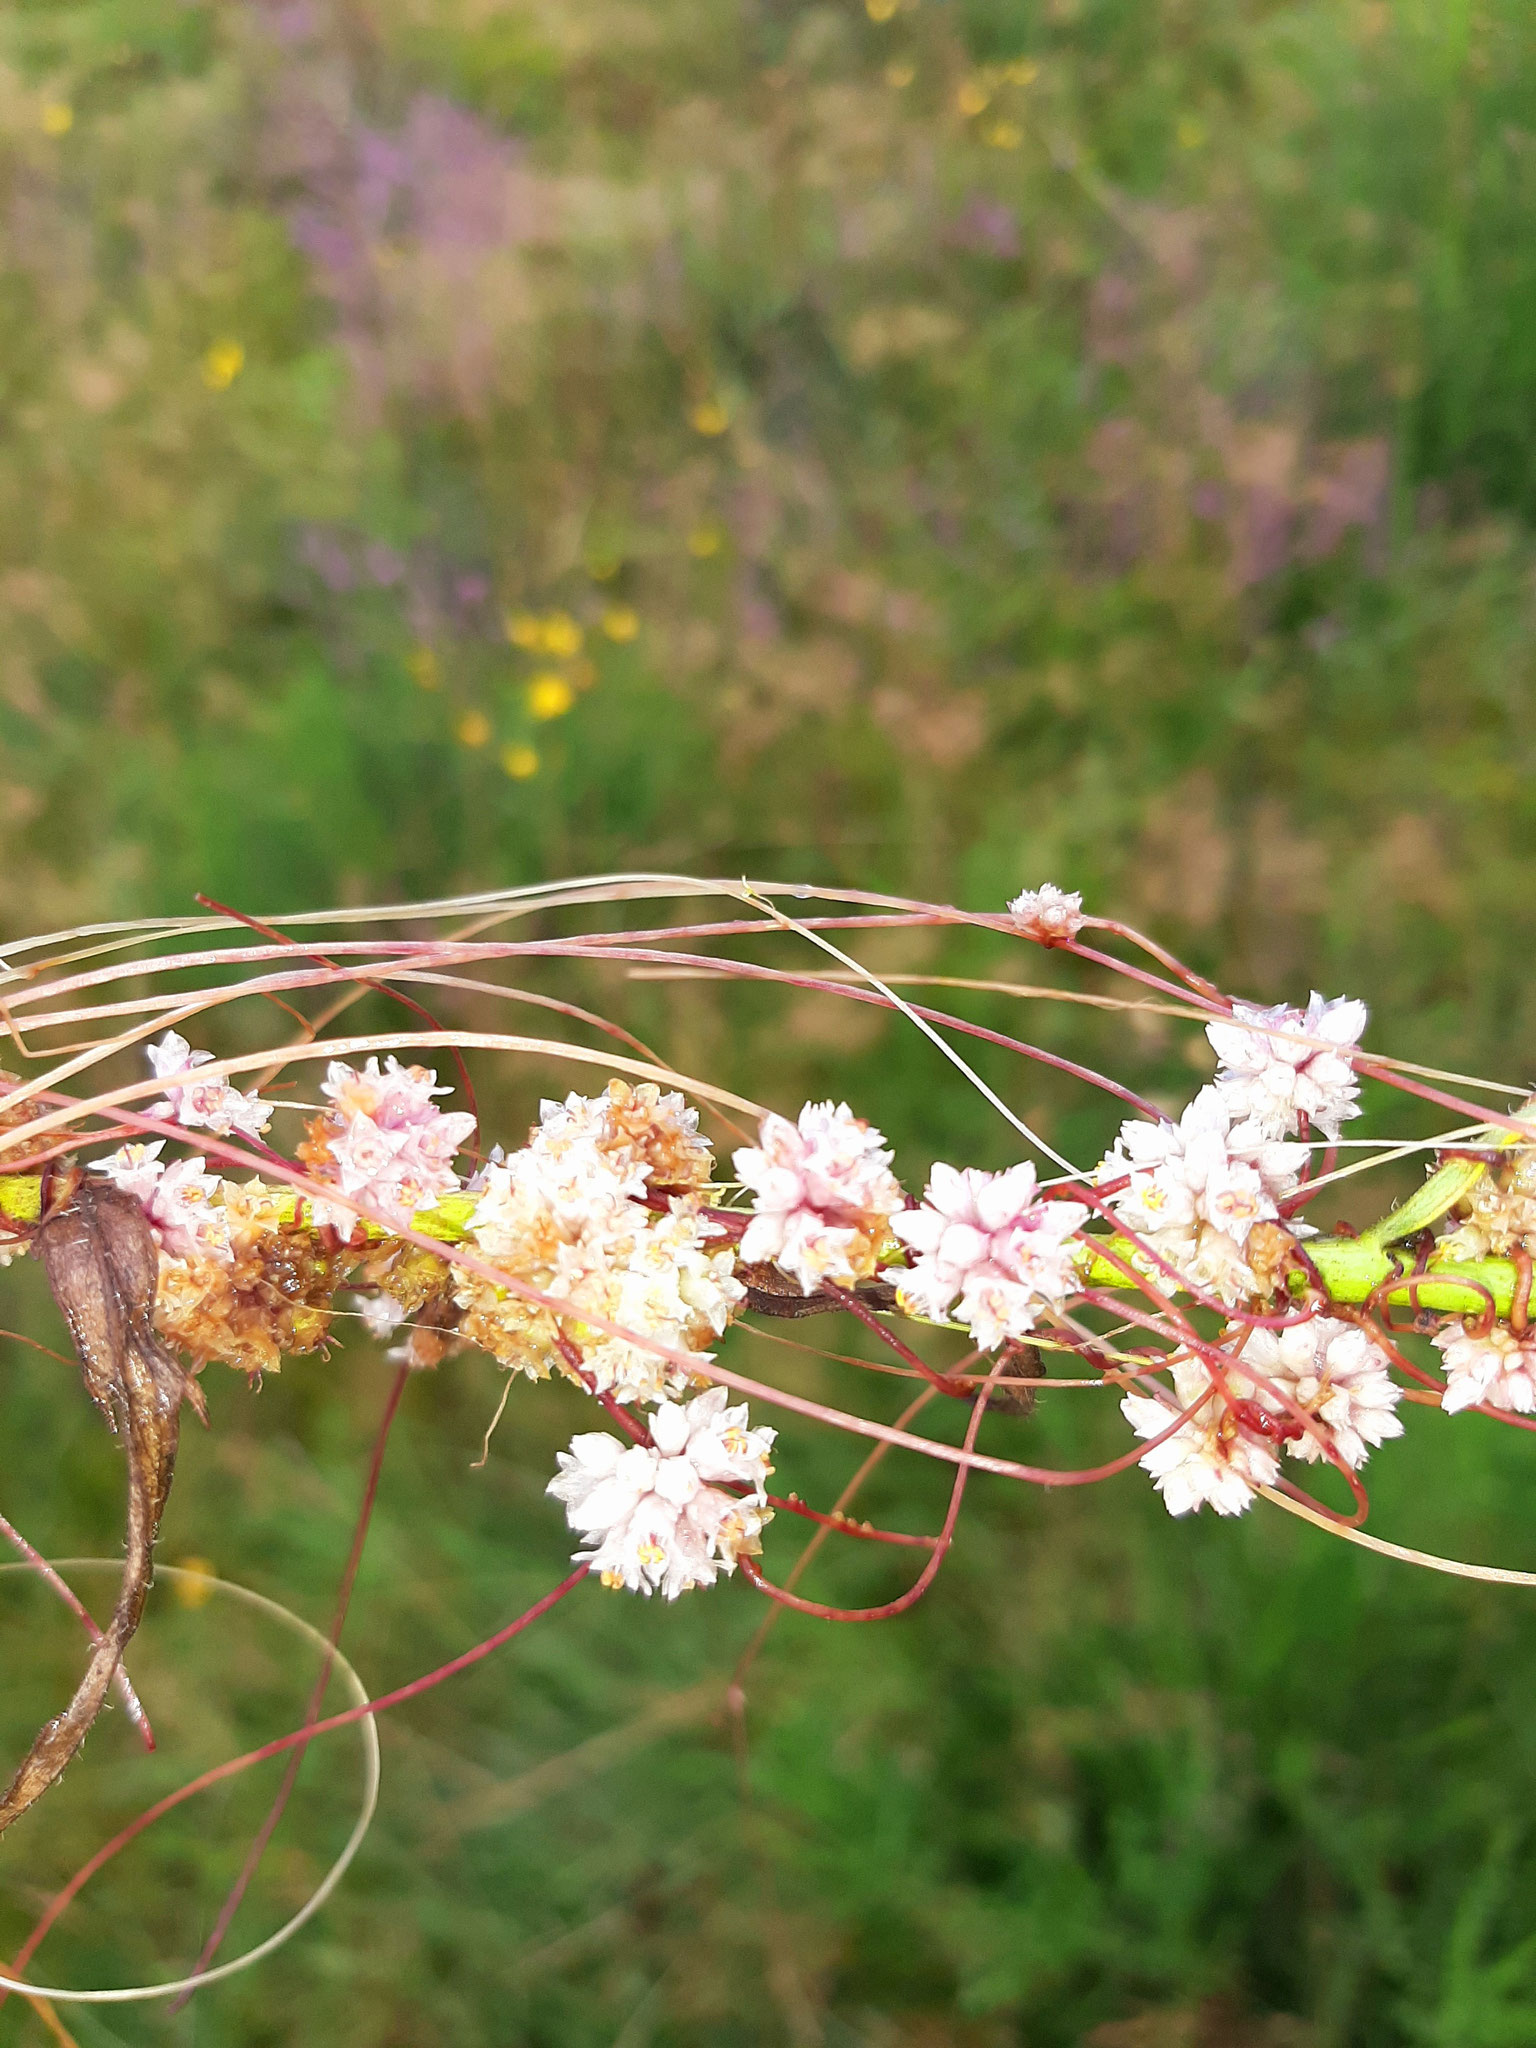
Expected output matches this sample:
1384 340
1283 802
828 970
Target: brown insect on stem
1006 1395
99 1255
772 1293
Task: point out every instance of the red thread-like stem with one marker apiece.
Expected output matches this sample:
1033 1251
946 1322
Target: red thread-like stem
279 1747
275 1812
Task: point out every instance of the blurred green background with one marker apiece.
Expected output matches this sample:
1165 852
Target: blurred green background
922 444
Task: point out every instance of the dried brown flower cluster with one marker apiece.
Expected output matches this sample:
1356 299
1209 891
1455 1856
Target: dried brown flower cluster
271 1298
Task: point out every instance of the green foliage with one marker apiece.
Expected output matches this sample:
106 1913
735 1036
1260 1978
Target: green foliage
937 446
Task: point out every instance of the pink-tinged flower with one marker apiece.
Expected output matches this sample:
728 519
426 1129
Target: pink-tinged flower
990 1240
136 1169
183 1201
824 1196
1279 1065
1335 1374
1051 916
656 1519
1497 1371
211 1105
385 1142
396 1098
1210 1460
1196 1188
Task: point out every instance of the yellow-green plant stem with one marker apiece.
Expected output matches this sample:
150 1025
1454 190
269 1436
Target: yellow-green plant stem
20 1202
1351 1268
1426 1205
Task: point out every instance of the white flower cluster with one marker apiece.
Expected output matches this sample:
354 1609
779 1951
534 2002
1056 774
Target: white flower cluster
990 1247
1496 1370
183 1200
1280 1065
656 1518
823 1196
568 1215
602 1208
1329 1370
1208 1460
212 1105
385 1142
1050 916
1194 1190
1334 1373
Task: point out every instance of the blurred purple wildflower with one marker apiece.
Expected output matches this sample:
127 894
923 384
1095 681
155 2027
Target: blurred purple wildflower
986 227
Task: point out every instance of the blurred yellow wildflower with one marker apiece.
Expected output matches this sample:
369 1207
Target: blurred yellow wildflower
222 364
1190 132
197 1589
1023 71
57 117
425 669
1004 135
549 697
473 729
555 633
709 417
703 542
520 762
880 10
900 74
972 98
561 634
621 622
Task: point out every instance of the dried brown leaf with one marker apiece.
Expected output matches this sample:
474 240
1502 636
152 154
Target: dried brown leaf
102 1264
